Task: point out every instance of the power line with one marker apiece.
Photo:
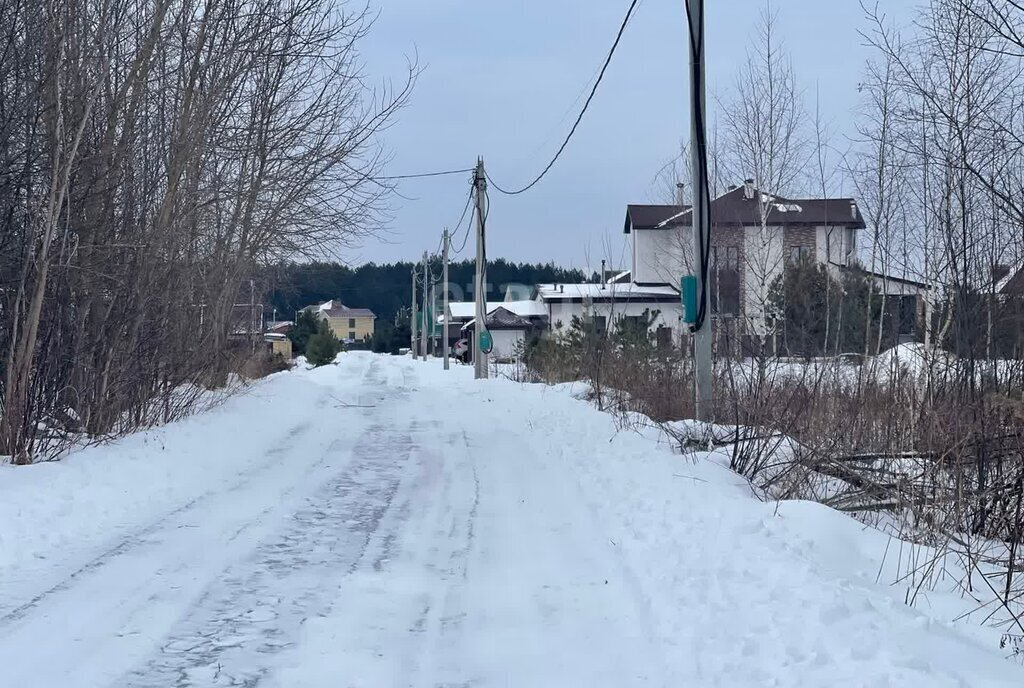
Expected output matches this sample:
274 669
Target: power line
420 175
465 209
593 91
700 149
465 237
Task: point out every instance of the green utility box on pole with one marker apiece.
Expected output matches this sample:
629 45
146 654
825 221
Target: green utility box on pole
688 293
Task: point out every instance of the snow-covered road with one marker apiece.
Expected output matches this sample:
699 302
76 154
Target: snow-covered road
384 523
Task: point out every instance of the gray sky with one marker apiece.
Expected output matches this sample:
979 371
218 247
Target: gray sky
505 78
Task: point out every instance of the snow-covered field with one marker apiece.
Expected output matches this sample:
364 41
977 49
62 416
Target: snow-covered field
382 522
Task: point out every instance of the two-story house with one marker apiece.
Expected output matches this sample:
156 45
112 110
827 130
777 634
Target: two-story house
753 237
347 324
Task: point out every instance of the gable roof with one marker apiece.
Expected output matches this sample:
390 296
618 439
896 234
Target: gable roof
463 310
502 319
1012 282
732 208
336 309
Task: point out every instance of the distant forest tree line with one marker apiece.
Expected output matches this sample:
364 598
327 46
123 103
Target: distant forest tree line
386 289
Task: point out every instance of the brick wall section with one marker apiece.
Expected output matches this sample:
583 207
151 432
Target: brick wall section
799 236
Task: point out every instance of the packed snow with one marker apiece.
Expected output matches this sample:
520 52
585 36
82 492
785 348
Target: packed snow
383 522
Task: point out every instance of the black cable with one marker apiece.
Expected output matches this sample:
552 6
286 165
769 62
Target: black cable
607 61
465 238
421 175
462 217
704 243
469 228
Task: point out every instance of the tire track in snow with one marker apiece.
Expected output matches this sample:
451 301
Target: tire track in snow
140 536
259 605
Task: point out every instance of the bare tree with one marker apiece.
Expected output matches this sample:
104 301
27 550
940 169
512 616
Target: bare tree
764 138
167 150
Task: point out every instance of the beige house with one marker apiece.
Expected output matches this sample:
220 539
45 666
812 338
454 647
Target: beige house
279 344
348 324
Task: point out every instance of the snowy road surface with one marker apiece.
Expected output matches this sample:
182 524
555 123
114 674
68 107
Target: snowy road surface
383 523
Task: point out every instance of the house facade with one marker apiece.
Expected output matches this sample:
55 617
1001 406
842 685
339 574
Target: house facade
606 303
508 333
347 324
460 313
754 236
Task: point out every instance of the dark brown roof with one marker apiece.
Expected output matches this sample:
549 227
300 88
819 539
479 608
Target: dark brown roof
336 309
502 319
860 269
1013 282
732 208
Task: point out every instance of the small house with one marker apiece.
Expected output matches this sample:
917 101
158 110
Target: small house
509 333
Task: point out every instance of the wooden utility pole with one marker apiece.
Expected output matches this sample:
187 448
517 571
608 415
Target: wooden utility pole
701 213
426 312
413 315
444 289
432 310
479 357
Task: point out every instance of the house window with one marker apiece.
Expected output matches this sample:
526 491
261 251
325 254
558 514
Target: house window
725 257
351 334
351 323
799 254
725 280
600 324
851 242
663 336
634 325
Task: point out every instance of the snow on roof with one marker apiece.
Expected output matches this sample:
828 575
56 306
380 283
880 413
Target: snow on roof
501 319
524 309
611 291
1002 286
336 309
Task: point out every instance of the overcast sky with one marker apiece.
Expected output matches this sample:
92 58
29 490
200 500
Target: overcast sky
505 78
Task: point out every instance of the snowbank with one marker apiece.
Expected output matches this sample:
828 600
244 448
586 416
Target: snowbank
743 592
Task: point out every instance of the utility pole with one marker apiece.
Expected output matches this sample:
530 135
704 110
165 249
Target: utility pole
426 312
444 288
701 213
479 289
433 320
413 315
252 314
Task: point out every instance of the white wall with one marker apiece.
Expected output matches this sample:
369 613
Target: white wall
657 256
669 314
506 343
836 245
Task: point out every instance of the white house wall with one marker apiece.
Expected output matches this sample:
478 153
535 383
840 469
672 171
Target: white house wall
657 256
668 314
507 343
835 245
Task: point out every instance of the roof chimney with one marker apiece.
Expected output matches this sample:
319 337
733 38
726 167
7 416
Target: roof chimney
853 209
561 288
604 275
748 189
679 193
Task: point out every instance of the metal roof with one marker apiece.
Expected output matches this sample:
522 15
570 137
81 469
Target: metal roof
733 208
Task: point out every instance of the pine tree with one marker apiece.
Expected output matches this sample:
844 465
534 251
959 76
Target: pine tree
323 346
